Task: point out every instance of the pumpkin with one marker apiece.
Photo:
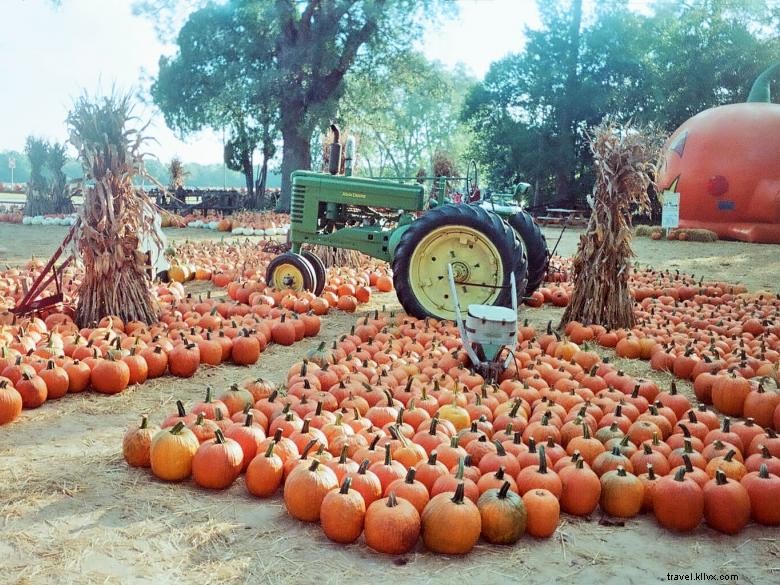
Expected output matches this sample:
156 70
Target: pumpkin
503 515
184 360
10 402
622 493
678 502
246 350
580 489
32 390
305 489
56 380
367 483
410 489
543 513
539 477
392 525
217 462
264 473
110 376
342 514
729 393
764 491
137 442
248 436
451 524
208 408
728 190
726 504
171 452
236 399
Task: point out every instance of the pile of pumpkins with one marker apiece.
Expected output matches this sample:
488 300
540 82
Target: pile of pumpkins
46 220
387 433
46 359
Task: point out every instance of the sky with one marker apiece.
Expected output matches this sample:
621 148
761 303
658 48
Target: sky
50 55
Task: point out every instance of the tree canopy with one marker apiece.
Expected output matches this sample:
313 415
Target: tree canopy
531 113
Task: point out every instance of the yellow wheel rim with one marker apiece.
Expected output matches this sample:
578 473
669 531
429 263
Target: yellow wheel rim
287 276
475 261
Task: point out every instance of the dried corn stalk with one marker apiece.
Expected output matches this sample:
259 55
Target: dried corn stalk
338 257
623 157
115 215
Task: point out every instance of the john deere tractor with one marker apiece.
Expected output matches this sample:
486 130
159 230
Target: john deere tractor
484 243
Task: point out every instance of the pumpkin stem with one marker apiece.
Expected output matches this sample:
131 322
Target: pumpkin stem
763 471
432 458
410 475
503 491
249 419
145 422
542 460
760 90
730 455
461 468
726 424
343 456
177 428
680 475
459 493
500 473
650 472
388 458
314 464
270 450
180 408
621 471
499 448
219 438
687 465
720 477
277 435
391 501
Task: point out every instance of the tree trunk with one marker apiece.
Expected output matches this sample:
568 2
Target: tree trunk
296 154
564 180
249 175
262 177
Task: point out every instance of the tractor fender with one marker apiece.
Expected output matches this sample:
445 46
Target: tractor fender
395 238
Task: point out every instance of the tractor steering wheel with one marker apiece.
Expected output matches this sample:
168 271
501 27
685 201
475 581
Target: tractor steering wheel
472 166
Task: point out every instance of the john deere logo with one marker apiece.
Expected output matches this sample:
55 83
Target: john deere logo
353 195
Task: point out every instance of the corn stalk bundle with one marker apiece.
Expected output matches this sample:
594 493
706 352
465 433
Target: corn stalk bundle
623 157
115 216
178 174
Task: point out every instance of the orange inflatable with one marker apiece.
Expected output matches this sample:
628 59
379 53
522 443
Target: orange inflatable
725 164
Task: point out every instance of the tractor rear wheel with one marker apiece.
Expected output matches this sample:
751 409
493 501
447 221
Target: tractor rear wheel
291 271
483 250
535 248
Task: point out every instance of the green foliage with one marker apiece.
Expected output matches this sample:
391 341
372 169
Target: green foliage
286 58
47 184
531 114
404 109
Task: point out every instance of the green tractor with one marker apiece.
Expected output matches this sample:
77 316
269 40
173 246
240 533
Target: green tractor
485 243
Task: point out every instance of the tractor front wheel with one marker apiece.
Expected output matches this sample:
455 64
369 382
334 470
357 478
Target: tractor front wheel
482 249
291 271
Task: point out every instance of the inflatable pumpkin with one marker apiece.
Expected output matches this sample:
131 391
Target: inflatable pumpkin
725 164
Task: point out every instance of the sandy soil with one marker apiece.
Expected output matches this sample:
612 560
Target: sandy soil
71 511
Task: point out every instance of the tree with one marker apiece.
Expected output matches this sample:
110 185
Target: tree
47 186
223 77
306 47
531 113
405 109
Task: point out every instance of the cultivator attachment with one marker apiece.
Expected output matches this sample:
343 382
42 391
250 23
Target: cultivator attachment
487 331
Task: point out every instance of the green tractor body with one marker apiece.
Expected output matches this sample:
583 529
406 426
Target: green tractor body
486 245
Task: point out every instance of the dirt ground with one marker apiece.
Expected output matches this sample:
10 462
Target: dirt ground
71 511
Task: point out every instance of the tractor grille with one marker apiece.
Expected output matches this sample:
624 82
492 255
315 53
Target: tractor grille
296 203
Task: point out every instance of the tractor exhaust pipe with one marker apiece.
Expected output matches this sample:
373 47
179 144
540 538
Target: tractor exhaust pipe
334 160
